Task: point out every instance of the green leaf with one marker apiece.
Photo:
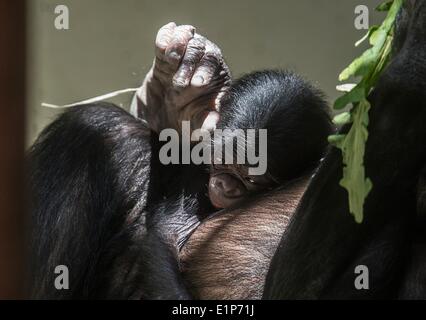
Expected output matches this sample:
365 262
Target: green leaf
342 119
369 67
384 6
362 65
391 17
358 67
353 149
356 95
336 139
347 87
367 35
378 37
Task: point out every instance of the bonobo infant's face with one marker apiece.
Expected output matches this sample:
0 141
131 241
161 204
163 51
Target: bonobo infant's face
230 184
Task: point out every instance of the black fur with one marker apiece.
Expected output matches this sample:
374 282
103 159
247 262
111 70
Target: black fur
95 210
106 208
293 112
81 187
323 244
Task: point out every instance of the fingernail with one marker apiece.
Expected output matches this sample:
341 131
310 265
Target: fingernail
174 55
180 81
198 80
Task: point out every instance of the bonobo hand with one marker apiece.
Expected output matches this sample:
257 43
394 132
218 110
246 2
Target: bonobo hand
185 83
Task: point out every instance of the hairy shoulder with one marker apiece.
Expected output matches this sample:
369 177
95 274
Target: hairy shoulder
228 256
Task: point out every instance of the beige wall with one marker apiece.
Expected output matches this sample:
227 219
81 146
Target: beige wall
110 42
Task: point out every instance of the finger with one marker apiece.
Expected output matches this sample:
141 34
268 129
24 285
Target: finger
210 65
177 46
218 100
193 55
164 36
205 71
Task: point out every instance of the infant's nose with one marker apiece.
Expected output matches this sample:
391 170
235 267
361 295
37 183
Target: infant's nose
229 186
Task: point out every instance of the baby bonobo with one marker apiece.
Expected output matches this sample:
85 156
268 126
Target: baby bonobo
290 109
295 116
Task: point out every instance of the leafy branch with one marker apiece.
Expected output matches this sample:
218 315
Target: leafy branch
369 66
